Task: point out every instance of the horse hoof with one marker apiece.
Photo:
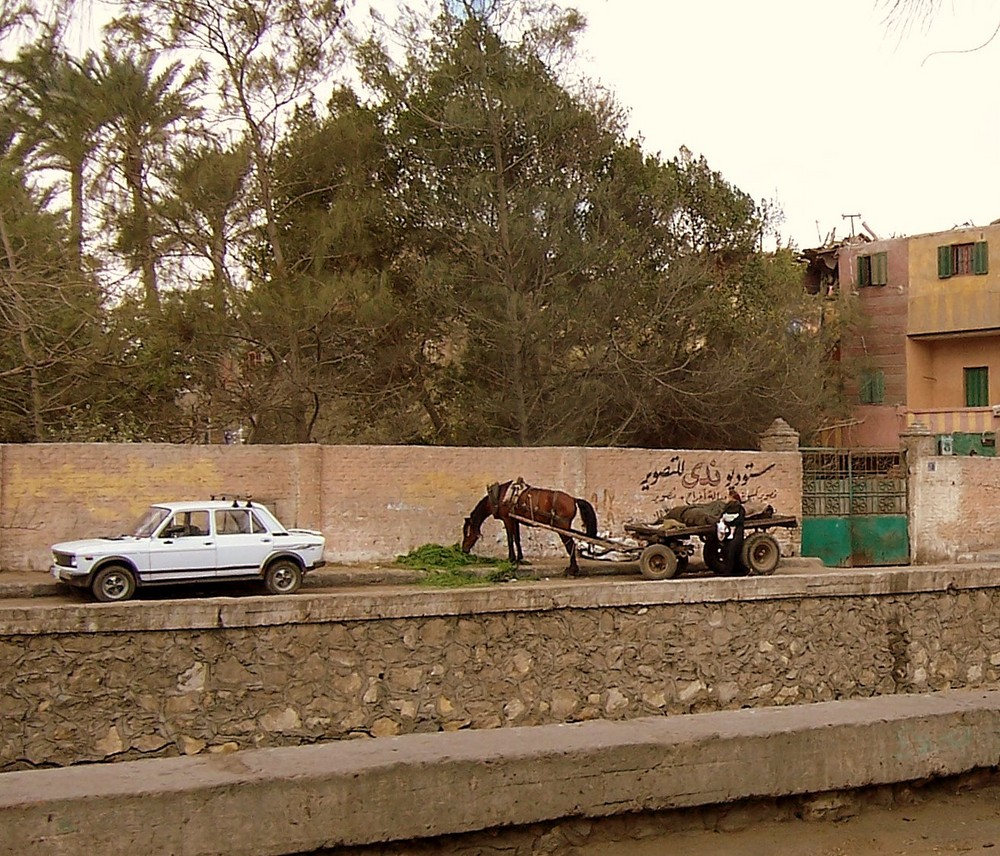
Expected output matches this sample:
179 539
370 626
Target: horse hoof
523 562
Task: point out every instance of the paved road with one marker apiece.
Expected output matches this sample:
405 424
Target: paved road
24 587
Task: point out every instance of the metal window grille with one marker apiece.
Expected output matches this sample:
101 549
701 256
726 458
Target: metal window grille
845 482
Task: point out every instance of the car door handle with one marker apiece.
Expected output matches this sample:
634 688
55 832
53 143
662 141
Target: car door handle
265 540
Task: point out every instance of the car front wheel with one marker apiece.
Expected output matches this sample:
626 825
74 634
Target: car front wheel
283 577
113 584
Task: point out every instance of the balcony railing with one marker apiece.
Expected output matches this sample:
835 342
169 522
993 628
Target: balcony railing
964 420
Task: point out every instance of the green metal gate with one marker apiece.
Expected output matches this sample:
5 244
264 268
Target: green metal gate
854 507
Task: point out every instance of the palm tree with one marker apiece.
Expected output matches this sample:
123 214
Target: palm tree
55 113
206 185
145 109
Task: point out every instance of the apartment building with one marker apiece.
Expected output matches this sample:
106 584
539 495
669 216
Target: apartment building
924 344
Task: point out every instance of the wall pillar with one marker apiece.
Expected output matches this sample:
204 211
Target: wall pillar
918 445
780 437
917 442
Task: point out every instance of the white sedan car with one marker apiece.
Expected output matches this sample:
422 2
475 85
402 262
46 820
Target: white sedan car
190 542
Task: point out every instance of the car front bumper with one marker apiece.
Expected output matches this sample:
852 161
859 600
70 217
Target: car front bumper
69 575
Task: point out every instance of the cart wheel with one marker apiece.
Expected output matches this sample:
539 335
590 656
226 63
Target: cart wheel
761 553
658 562
712 554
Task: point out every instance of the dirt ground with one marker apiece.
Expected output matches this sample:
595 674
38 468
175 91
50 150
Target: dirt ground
959 814
941 821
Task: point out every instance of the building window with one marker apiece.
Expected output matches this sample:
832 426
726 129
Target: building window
873 270
977 387
962 259
871 389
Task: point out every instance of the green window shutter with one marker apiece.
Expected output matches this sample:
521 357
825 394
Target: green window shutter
944 262
880 269
865 387
977 386
871 386
981 257
864 271
878 385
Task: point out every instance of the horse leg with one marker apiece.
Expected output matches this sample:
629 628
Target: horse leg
570 545
512 538
517 543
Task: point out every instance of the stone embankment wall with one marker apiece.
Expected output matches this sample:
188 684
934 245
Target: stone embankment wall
373 503
142 680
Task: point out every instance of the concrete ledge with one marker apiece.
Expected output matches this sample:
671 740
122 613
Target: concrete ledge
282 801
381 602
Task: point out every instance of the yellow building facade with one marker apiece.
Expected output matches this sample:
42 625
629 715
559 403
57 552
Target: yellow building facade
926 347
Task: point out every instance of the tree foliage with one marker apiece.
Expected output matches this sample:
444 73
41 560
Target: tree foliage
441 241
49 317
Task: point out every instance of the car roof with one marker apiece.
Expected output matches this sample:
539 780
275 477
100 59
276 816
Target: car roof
210 504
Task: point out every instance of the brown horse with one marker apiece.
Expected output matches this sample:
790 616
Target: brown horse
551 507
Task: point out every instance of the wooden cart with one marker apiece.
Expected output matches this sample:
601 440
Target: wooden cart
664 551
667 549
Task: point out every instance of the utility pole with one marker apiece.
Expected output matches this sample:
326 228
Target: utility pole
852 218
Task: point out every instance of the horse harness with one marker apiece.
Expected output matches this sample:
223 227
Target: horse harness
505 502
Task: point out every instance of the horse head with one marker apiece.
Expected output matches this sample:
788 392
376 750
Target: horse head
470 534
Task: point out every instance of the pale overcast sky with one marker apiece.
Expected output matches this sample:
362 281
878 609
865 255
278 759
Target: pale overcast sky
817 105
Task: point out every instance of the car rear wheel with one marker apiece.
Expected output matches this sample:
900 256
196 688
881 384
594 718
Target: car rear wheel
113 583
283 577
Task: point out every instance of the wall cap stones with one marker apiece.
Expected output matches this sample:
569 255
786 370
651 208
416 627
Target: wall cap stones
416 602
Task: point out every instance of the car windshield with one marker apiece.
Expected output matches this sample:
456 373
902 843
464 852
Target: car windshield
153 517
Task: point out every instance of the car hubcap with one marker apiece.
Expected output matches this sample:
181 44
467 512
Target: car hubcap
114 586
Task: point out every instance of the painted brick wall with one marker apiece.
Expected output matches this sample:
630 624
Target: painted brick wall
372 502
376 502
954 512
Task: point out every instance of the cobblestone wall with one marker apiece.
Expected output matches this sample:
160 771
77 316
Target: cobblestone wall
124 683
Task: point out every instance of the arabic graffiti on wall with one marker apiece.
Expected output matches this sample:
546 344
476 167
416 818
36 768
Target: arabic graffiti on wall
692 482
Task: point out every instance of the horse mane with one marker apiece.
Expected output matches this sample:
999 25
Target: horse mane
482 510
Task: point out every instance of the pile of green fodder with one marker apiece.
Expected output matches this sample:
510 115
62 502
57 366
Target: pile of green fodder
449 567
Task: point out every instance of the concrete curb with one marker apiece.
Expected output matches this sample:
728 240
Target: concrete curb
253 609
20 584
27 584
293 800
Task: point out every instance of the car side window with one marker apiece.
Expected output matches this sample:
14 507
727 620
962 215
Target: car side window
256 526
186 524
232 521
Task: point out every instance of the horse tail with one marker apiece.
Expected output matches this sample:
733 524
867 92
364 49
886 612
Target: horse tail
589 517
